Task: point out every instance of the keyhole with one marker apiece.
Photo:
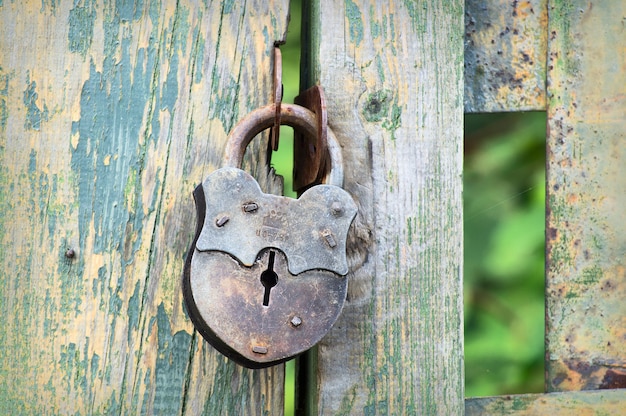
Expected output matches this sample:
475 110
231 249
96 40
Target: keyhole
269 278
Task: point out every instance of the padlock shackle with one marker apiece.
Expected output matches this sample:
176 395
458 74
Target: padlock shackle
291 115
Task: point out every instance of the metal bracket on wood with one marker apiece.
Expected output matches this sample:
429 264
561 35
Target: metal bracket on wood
277 97
310 160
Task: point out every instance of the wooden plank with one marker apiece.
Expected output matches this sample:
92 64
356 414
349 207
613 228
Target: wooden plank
603 402
586 193
110 114
392 73
505 55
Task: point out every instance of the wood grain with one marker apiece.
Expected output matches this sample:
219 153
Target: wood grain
110 114
393 75
586 194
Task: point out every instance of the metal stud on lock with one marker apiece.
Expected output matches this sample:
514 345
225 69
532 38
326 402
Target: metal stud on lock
264 279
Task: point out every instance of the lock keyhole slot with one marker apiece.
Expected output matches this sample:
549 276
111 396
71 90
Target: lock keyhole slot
269 279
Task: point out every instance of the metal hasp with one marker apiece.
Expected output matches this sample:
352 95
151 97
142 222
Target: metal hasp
298 227
264 279
310 158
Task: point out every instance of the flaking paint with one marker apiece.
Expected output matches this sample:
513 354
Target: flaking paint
81 22
355 22
35 114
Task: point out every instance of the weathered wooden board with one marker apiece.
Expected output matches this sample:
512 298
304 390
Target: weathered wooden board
586 193
600 403
393 74
505 55
110 114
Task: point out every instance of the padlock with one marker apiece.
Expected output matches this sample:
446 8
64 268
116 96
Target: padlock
265 277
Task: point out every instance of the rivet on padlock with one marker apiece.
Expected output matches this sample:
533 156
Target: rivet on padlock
264 279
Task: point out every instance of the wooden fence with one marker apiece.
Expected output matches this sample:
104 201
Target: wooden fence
111 113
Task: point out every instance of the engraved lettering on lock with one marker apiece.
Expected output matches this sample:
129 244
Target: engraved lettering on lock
274 227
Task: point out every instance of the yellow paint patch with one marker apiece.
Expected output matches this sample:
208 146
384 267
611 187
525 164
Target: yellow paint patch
74 140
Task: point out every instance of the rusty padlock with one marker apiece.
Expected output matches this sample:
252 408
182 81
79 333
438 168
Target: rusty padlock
265 277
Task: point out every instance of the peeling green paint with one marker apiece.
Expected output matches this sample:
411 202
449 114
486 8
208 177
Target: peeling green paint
347 403
128 10
377 106
34 115
115 302
74 366
409 230
591 275
417 18
196 69
561 14
94 368
382 106
180 29
171 367
392 35
227 371
4 96
146 395
224 93
133 311
70 278
393 121
130 63
374 25
49 4
170 87
81 22
380 69
355 22
98 286
227 6
112 107
385 24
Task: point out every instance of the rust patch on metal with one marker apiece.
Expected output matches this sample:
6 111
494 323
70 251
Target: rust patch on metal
310 157
614 379
505 55
581 375
277 96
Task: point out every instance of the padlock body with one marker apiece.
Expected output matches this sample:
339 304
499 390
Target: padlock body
244 236
230 312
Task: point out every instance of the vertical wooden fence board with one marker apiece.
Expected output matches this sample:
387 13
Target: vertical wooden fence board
110 113
586 194
505 55
393 74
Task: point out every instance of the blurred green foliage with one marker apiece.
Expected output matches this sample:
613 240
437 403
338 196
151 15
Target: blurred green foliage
504 210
